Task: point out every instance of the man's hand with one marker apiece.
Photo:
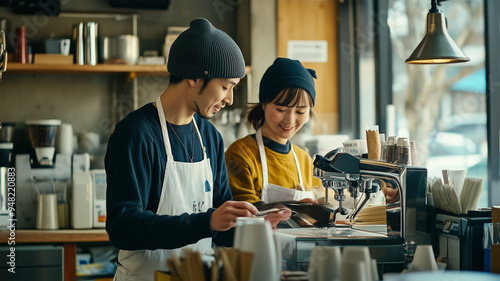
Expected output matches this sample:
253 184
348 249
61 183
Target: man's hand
224 217
275 217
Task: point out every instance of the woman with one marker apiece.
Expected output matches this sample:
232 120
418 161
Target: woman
265 167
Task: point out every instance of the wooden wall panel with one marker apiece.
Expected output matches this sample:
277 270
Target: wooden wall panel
314 20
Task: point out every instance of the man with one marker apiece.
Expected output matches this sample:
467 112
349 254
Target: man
167 183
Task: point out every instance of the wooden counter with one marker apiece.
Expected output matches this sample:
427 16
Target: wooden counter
67 237
56 236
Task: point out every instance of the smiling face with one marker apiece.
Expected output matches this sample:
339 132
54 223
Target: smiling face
214 96
285 118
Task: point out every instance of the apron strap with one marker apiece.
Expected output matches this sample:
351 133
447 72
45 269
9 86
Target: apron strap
164 131
301 183
201 140
263 161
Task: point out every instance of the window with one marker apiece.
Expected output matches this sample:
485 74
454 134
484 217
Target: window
449 110
442 107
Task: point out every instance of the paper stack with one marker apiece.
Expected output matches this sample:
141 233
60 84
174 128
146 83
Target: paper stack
457 194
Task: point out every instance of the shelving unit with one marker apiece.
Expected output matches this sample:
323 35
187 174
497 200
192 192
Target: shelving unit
69 238
157 70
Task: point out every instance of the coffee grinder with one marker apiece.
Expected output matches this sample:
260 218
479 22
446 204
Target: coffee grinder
42 135
44 172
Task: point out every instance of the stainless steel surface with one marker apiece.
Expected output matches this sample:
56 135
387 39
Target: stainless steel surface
121 49
7 131
368 231
3 24
47 216
342 171
3 54
298 243
3 188
78 43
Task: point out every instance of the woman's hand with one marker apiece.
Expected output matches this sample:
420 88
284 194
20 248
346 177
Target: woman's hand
275 217
309 200
224 217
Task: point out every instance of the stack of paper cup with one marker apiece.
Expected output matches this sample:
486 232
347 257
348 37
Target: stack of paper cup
456 178
354 270
325 264
352 147
357 255
374 270
424 259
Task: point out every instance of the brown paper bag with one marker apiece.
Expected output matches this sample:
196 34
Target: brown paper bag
373 143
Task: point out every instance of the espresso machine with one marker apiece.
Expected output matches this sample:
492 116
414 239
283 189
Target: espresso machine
6 172
405 219
44 172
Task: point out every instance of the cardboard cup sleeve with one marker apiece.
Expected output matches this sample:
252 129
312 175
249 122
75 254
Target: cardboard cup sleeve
373 142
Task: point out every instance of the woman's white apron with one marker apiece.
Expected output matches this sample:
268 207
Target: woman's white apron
273 192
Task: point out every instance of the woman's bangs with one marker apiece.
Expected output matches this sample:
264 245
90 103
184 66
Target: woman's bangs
291 97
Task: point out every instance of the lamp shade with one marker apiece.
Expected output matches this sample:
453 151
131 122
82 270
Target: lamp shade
437 47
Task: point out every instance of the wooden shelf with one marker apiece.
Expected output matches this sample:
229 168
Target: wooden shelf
152 70
69 238
56 236
156 70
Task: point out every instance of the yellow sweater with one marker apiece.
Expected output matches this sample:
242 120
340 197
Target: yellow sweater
245 169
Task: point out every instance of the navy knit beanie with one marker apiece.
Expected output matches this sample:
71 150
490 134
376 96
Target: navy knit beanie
203 51
286 73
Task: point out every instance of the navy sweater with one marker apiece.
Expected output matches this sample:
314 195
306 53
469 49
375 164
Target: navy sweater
135 167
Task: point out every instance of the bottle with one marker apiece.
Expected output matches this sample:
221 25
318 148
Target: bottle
383 147
21 51
404 151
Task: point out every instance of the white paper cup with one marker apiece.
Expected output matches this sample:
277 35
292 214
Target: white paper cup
363 146
424 259
457 179
325 264
359 253
374 270
352 147
256 236
354 270
88 142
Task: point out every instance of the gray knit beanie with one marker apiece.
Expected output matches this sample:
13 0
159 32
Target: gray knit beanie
203 51
286 73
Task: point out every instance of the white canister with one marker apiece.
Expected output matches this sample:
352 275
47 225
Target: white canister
65 139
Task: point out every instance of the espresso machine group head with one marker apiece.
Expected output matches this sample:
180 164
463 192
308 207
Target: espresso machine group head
342 171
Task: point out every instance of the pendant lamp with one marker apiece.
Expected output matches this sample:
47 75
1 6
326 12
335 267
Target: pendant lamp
437 47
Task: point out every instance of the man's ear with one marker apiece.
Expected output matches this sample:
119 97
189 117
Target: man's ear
191 82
